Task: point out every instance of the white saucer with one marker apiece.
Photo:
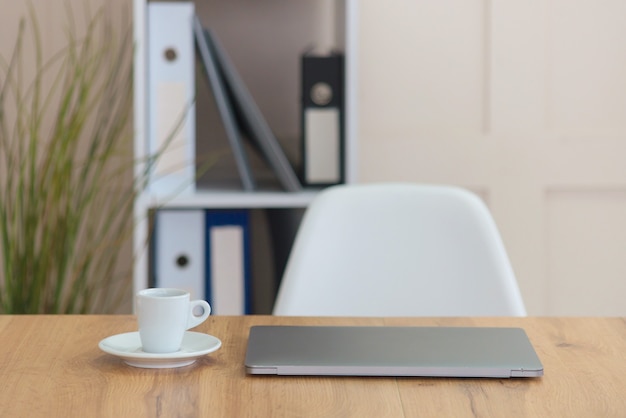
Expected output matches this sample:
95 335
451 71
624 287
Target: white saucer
128 347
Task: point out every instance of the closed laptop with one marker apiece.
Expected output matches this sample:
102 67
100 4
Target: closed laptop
391 351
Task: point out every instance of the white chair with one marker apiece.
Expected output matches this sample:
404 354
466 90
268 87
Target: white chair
396 249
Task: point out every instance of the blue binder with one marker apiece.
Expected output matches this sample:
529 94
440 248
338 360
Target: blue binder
228 277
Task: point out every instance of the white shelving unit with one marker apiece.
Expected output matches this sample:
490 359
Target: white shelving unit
250 33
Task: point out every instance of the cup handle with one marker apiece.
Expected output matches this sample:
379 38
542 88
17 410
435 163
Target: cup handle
195 320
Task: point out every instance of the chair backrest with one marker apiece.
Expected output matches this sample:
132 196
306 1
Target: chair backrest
396 249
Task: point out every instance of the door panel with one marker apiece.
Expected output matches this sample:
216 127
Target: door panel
523 102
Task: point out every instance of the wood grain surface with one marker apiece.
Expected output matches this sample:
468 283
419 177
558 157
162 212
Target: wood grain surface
51 366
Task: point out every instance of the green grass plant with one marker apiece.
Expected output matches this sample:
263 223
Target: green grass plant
66 168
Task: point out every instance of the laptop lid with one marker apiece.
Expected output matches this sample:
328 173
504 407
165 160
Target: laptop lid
391 351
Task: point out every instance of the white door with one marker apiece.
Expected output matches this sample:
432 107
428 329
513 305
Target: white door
523 102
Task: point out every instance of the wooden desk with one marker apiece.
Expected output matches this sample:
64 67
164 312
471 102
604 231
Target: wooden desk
51 366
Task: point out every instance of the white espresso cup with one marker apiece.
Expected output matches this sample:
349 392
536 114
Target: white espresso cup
164 315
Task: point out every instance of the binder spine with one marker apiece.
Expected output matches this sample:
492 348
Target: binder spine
171 92
228 278
179 241
322 120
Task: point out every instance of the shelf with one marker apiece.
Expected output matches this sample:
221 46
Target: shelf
215 199
265 42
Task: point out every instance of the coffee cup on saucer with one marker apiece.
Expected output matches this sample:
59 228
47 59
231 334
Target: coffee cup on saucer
163 316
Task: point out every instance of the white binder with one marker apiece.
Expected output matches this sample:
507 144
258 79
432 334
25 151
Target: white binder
206 252
171 92
179 241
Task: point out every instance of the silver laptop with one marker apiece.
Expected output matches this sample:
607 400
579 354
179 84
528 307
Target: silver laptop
391 351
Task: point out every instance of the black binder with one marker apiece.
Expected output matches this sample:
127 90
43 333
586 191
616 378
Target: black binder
322 120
